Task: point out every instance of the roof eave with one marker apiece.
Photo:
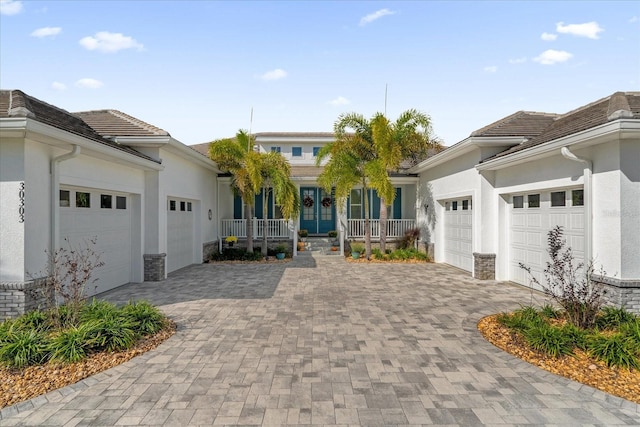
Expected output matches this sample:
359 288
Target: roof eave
141 141
191 154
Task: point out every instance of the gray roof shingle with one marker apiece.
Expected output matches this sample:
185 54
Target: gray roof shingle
116 123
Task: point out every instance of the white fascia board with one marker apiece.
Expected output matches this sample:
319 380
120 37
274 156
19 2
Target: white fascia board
186 152
51 135
142 141
603 133
463 147
13 127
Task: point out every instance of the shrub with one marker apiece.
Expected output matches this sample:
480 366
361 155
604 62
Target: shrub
549 311
97 310
613 317
615 350
632 330
23 347
149 318
303 233
281 249
112 332
357 247
522 319
71 345
332 234
377 253
34 320
578 336
550 340
570 285
237 254
409 238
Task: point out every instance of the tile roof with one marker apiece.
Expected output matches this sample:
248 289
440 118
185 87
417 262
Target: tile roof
586 117
201 148
117 123
15 103
295 134
306 171
523 123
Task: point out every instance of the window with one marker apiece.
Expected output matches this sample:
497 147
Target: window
65 198
465 205
315 151
454 205
188 206
356 204
534 200
518 202
296 151
183 206
83 200
577 198
558 198
172 205
447 206
105 201
276 149
121 202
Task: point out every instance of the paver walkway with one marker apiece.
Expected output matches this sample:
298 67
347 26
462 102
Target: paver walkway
323 342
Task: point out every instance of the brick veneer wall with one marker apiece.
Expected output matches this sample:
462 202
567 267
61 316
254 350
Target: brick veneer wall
621 293
18 298
154 267
484 266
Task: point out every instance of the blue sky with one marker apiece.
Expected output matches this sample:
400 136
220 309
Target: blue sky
197 68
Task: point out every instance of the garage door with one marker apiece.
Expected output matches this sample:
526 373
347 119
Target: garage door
458 233
532 216
88 213
180 234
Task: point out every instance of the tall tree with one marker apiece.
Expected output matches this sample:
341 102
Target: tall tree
275 173
236 156
408 139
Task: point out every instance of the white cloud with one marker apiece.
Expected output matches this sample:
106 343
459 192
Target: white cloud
58 86
550 57
107 42
375 15
341 100
491 69
518 60
10 7
549 37
276 74
89 83
46 32
588 29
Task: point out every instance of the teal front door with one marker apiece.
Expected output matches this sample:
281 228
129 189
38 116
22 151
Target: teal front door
318 213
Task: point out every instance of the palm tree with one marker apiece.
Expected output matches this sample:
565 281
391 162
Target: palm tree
275 173
236 155
408 139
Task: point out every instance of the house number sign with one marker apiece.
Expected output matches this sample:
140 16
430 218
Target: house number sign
21 204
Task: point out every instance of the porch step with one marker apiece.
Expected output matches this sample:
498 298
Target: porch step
320 244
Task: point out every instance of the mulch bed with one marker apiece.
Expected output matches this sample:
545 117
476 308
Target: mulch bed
23 384
581 367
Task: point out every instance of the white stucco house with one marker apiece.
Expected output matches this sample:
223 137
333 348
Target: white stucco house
146 197
484 204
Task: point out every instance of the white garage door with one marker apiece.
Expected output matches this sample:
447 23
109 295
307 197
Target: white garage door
180 234
532 216
458 233
88 213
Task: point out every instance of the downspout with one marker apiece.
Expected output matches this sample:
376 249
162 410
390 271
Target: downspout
588 199
55 195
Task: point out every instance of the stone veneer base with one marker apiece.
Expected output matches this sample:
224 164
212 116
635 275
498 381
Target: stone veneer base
484 266
154 267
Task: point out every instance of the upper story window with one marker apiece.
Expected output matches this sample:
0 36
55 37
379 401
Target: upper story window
315 151
276 149
296 151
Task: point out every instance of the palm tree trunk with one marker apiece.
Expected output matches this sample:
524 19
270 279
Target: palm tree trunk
265 213
383 224
367 223
249 227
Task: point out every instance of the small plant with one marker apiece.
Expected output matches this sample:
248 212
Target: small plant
409 238
231 239
34 320
632 330
332 234
303 233
615 350
97 310
522 319
377 253
23 347
613 317
549 311
550 340
357 247
148 317
281 249
570 285
71 345
578 336
113 332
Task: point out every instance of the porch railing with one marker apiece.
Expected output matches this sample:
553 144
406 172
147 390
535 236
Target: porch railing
276 228
395 227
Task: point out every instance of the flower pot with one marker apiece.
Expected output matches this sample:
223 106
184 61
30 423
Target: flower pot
280 255
230 244
300 246
355 255
334 248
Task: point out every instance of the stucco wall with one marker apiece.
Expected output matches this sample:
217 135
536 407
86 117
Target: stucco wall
630 208
11 229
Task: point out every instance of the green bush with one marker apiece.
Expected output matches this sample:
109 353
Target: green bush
112 332
522 319
148 317
96 310
378 253
549 311
632 330
357 247
578 336
237 254
23 347
71 345
34 320
615 350
550 340
613 317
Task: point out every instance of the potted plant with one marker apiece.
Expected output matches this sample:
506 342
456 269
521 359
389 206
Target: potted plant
332 234
300 246
231 240
302 234
281 251
356 250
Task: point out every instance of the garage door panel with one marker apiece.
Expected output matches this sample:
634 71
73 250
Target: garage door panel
534 220
458 235
180 236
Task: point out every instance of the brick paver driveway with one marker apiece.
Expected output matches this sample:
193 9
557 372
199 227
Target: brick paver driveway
320 341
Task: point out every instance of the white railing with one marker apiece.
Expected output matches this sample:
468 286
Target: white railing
276 228
395 227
